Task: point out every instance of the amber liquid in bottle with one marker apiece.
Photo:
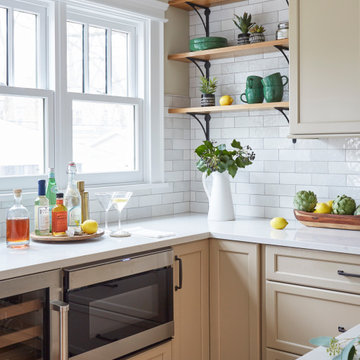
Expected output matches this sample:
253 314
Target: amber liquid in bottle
59 217
17 224
17 232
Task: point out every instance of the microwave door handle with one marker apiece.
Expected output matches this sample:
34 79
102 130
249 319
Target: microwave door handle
63 309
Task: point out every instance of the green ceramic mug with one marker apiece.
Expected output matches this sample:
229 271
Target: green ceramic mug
275 79
253 96
273 93
253 82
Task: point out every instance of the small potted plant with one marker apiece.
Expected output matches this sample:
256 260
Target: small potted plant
257 34
244 24
208 88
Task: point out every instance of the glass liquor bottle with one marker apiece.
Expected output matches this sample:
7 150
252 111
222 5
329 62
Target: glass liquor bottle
51 191
17 224
72 201
59 217
41 209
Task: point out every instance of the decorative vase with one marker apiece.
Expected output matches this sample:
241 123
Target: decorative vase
243 39
207 100
256 38
221 206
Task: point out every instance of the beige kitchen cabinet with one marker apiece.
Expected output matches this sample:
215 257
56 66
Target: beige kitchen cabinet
279 355
234 300
324 68
295 314
161 352
191 302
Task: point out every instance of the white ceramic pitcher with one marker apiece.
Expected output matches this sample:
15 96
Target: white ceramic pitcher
221 207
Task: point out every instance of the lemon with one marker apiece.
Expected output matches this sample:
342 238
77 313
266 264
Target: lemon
322 208
330 202
278 223
226 100
89 226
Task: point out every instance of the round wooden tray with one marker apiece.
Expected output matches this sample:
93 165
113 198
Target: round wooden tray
51 238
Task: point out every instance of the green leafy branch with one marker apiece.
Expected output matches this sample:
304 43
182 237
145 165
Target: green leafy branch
217 158
334 347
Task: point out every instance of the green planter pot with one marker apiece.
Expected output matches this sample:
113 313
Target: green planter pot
206 43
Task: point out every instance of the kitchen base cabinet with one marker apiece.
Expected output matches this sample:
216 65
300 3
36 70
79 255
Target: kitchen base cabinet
161 352
234 300
279 355
191 301
295 314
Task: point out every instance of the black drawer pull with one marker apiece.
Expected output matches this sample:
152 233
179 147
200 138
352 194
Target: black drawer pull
343 273
178 287
341 329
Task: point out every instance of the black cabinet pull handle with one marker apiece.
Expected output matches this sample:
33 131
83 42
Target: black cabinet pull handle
341 329
343 273
178 287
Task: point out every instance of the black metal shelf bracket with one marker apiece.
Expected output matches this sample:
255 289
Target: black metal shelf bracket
282 111
207 66
206 128
287 1
207 12
282 50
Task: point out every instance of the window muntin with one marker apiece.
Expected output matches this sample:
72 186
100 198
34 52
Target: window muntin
75 49
119 60
3 51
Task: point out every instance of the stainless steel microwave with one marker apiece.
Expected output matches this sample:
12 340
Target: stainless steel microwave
119 306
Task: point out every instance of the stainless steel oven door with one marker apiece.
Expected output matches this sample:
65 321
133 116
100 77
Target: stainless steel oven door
119 306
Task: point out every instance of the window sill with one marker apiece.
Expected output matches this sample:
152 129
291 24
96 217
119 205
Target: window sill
137 189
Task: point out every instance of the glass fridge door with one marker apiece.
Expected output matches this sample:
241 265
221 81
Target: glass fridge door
24 326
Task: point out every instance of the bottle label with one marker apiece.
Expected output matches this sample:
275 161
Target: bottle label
59 221
75 216
44 220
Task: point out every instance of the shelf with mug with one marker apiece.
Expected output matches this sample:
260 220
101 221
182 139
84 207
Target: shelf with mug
284 105
183 4
232 51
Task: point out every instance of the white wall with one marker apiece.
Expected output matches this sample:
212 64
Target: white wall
329 167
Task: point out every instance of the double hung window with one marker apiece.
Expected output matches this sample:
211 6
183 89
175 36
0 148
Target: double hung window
75 84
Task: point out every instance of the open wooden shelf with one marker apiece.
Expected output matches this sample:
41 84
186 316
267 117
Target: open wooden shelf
231 51
230 108
20 309
181 4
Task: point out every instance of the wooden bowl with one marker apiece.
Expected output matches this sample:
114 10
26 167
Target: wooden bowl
331 221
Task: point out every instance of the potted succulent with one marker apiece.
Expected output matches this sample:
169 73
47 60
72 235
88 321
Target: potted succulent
257 34
244 24
208 88
219 162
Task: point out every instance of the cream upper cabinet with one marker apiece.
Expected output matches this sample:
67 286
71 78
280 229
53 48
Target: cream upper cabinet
324 67
191 302
234 300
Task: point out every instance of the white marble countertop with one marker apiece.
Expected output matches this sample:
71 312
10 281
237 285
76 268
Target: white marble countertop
187 227
320 352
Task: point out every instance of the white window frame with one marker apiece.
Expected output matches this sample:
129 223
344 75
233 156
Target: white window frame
148 15
40 9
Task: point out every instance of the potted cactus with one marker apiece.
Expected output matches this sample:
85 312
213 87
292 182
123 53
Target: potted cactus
244 24
257 34
208 88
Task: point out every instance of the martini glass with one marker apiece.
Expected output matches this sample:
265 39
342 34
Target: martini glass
119 200
105 200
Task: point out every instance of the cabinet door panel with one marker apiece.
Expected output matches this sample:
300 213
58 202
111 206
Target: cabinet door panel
191 303
279 355
234 300
295 314
325 67
162 352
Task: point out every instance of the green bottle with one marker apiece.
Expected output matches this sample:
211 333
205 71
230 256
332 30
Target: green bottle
51 192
